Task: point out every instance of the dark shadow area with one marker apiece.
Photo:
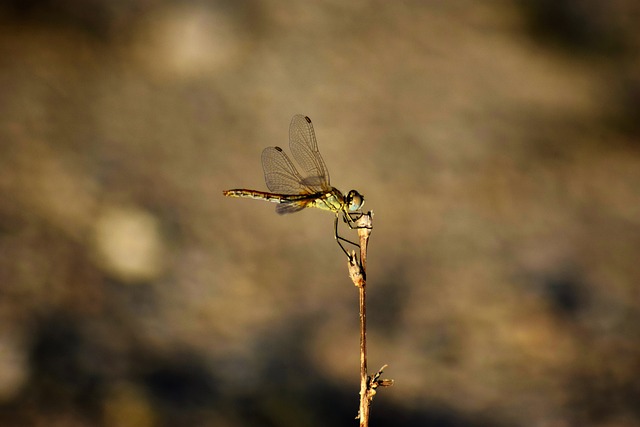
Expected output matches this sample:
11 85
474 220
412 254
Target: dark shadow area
68 378
64 376
296 390
624 113
565 292
581 27
97 19
605 32
181 389
603 386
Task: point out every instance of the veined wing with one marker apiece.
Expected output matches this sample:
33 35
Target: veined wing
280 175
304 147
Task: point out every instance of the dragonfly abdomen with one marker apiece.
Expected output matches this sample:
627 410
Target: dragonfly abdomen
253 194
289 203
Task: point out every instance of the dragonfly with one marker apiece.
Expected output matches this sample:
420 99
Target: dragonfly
294 192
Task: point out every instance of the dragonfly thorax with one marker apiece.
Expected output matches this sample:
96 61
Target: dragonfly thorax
354 201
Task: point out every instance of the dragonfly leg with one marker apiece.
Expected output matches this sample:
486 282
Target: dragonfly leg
351 217
341 239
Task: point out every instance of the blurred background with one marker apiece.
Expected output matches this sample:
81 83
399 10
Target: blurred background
497 142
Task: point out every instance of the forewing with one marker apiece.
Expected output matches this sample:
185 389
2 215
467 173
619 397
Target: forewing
304 147
280 174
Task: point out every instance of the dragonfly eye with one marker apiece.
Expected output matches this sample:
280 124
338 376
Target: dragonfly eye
354 200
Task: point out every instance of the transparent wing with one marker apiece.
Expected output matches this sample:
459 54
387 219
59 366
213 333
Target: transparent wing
304 147
281 175
287 208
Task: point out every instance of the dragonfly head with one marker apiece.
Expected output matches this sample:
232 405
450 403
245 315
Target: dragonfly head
354 201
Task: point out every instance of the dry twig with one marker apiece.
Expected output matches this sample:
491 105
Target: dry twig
357 272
